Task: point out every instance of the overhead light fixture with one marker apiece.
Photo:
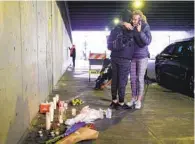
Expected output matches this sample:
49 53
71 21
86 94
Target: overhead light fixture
138 4
116 21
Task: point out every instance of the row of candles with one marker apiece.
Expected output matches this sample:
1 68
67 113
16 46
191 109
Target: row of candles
62 107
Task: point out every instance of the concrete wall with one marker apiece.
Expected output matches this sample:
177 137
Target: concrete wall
33 55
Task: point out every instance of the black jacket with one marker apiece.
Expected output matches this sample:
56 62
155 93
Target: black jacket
128 51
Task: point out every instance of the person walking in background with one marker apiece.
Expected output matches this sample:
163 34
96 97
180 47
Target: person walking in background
142 37
73 54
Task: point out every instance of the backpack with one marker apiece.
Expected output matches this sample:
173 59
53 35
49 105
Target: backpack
117 40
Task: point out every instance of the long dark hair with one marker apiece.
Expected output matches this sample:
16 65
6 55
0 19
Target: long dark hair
126 15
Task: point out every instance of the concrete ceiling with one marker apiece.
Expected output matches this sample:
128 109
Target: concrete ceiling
161 15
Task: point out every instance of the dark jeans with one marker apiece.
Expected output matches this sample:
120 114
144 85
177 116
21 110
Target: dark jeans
73 61
120 72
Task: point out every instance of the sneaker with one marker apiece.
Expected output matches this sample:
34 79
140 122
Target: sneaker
131 103
138 105
113 105
124 106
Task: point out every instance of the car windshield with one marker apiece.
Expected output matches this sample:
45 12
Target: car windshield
169 49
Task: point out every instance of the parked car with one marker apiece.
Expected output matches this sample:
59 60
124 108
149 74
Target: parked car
177 61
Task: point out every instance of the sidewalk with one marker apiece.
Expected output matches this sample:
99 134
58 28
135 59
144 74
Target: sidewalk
166 118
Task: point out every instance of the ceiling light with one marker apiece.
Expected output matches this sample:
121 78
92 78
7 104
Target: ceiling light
137 3
116 21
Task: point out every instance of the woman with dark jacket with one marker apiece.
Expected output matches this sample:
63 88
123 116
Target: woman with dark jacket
120 61
142 37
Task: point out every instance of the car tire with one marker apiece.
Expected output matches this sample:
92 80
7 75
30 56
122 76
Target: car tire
158 76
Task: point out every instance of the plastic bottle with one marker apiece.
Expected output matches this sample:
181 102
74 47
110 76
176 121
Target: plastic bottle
109 113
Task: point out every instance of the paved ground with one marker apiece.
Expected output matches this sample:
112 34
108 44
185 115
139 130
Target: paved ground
166 118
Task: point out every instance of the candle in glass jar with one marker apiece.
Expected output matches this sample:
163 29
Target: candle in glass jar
60 116
66 106
73 112
48 122
51 111
57 98
54 101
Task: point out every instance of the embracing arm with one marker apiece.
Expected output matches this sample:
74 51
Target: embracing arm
127 25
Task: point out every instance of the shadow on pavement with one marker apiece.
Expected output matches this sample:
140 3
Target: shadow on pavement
175 86
172 85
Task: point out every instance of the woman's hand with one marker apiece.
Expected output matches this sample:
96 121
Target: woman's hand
128 25
139 27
